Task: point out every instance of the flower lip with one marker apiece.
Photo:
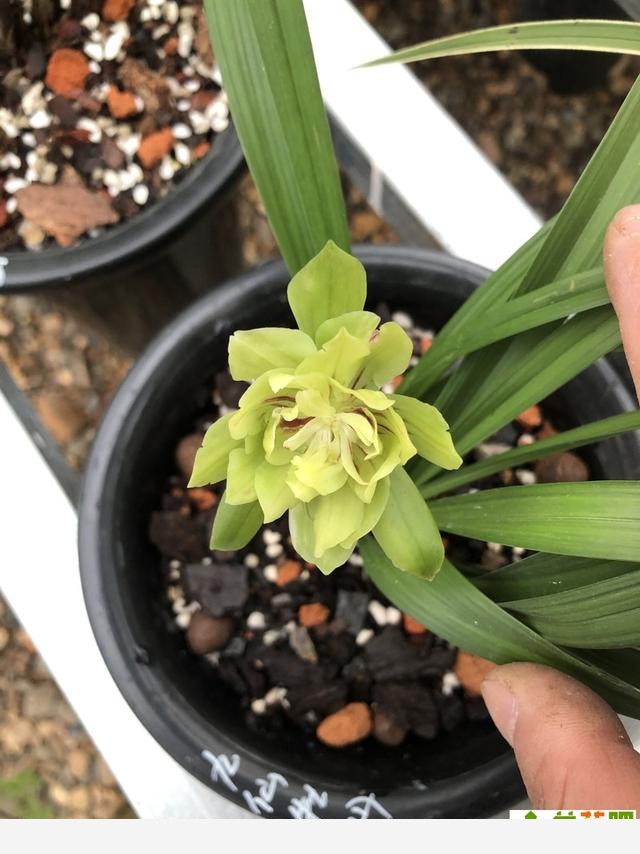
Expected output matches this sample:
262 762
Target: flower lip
295 424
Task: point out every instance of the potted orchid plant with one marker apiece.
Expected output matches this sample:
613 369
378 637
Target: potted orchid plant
336 441
538 321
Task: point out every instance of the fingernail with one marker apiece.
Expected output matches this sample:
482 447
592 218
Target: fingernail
503 707
627 222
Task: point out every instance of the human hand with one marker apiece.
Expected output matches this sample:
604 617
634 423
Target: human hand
570 745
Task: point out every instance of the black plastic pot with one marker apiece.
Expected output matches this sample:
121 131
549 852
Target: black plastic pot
568 71
135 277
468 773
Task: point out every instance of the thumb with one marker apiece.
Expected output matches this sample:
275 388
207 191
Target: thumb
571 748
622 273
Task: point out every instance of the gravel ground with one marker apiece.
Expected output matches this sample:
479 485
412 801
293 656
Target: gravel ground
49 767
540 140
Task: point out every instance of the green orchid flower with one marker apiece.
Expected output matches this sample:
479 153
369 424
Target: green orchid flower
314 434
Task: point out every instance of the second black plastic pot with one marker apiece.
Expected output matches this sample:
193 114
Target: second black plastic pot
136 276
468 773
570 71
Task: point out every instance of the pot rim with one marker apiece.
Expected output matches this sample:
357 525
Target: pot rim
25 271
481 790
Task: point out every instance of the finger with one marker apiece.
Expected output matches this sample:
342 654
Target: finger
622 273
571 748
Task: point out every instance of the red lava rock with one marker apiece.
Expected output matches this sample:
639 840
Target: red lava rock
63 109
530 418
288 572
202 99
117 10
170 47
201 149
4 216
186 452
386 730
426 343
413 627
471 671
314 614
547 430
561 468
208 634
68 29
93 105
121 104
67 72
395 382
74 137
351 724
203 499
154 147
111 154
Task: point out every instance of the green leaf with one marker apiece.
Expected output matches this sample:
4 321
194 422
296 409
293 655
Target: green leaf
496 290
428 431
622 663
265 54
612 631
503 381
599 519
235 525
212 458
391 350
556 301
255 351
543 574
535 364
597 431
604 36
610 181
605 614
454 609
406 530
332 283
568 245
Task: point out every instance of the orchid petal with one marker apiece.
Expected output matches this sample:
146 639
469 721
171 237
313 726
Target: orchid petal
274 495
331 284
360 324
429 431
390 353
212 459
253 352
241 476
235 525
